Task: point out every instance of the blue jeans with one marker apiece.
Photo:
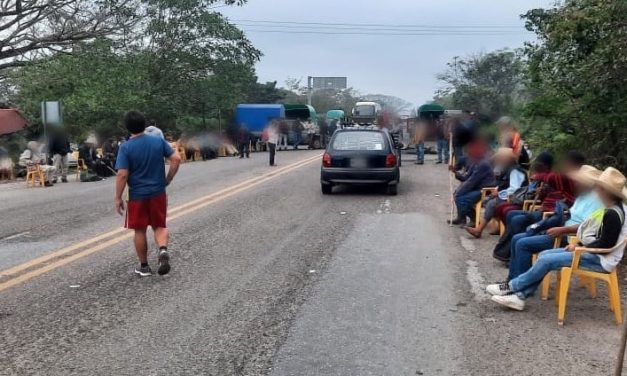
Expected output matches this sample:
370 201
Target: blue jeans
465 203
518 220
420 152
527 283
443 150
523 249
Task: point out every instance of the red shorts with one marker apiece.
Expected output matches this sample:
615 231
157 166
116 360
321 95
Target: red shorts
147 212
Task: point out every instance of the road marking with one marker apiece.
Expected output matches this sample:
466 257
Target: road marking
178 212
15 236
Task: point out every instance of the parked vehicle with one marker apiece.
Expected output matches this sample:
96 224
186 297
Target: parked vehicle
366 112
360 155
257 116
335 115
306 113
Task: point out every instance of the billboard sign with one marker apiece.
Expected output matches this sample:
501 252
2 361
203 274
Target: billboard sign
336 83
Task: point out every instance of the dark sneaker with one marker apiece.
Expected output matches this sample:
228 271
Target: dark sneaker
54 181
164 262
143 271
63 180
456 221
48 184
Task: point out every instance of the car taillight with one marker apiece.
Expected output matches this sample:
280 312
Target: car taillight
390 160
326 160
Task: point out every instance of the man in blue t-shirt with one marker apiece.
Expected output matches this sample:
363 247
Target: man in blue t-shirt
141 165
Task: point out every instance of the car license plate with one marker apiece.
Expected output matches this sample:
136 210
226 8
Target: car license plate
359 163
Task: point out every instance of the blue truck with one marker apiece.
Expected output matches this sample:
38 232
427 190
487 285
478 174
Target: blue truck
257 116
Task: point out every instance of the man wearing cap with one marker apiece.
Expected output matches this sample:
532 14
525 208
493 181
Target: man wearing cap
524 246
604 229
511 178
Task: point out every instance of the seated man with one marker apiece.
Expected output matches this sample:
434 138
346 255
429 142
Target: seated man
87 152
543 164
510 177
32 156
605 229
478 176
6 164
557 187
524 246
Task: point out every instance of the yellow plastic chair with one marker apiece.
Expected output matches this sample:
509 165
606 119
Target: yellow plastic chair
479 204
610 278
35 176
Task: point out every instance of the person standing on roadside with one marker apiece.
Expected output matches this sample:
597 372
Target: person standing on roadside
141 165
284 130
298 129
243 142
59 147
273 139
419 141
442 141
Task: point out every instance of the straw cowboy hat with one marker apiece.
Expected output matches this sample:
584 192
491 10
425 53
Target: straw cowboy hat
613 181
504 153
586 175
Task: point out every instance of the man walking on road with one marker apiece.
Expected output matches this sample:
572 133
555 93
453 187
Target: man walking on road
141 165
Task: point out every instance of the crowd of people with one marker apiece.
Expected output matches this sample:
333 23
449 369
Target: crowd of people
569 199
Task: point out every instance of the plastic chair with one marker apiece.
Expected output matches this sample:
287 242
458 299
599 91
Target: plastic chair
610 278
35 175
479 204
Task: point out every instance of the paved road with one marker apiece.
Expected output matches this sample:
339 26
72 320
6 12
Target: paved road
272 278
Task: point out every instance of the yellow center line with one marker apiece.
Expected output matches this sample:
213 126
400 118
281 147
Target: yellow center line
175 213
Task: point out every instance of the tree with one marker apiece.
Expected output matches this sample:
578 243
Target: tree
577 70
35 28
490 84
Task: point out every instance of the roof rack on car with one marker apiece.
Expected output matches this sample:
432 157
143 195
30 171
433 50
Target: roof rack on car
355 126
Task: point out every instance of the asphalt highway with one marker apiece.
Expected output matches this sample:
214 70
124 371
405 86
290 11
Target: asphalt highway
270 277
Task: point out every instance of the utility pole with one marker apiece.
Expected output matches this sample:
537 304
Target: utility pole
309 90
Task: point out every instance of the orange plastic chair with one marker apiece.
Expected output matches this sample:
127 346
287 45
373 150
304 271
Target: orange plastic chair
35 176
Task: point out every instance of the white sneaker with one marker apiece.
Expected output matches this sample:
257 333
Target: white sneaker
510 301
499 289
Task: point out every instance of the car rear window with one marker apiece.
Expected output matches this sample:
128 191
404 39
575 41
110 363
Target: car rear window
356 140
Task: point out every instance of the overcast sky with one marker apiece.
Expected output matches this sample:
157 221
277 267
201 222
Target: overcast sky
400 65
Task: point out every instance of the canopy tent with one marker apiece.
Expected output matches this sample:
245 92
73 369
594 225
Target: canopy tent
430 110
11 121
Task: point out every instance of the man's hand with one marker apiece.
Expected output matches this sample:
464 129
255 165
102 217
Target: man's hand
571 247
555 232
119 206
